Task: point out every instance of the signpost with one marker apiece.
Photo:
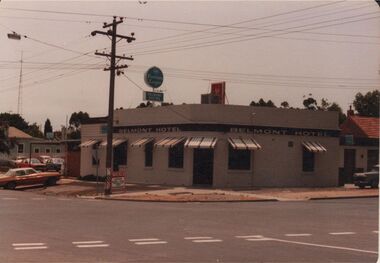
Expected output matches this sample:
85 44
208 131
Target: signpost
153 96
154 77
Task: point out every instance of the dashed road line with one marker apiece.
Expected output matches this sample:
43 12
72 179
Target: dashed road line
376 232
147 241
29 246
207 240
298 235
251 236
342 233
63 199
90 244
151 243
38 198
9 198
192 238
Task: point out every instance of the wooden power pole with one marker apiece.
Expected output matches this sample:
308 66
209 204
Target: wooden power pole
113 67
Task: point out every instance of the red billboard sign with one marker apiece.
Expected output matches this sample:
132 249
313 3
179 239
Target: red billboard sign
219 89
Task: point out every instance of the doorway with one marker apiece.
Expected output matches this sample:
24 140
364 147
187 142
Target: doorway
349 164
203 167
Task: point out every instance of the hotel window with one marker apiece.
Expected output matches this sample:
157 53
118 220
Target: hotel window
20 148
36 150
176 156
308 159
149 154
239 159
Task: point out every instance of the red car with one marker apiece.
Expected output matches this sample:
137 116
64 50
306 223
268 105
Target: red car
27 176
33 163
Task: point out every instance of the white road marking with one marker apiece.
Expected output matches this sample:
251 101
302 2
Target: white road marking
207 240
260 239
342 233
191 238
143 239
64 199
151 243
298 235
94 245
9 198
254 236
30 248
376 232
87 242
27 244
38 198
325 246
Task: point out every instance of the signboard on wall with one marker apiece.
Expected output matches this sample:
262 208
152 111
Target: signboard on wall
153 96
219 89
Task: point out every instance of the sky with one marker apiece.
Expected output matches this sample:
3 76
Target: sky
278 50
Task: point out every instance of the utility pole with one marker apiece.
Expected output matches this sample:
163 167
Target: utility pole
19 99
113 67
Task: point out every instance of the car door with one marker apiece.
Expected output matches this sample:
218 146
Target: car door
35 177
22 178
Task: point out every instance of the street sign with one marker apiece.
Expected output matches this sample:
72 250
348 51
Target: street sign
153 96
154 77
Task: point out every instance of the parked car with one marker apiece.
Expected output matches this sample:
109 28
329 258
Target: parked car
44 158
33 163
27 176
54 164
5 165
370 178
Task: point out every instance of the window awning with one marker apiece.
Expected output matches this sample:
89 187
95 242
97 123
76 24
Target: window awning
244 144
88 143
314 147
141 142
115 142
201 142
169 142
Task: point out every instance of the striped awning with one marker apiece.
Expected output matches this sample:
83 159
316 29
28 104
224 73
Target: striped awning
115 142
244 144
314 147
88 143
141 142
201 142
169 142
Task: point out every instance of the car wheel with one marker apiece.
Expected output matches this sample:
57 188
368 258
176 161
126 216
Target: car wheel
10 186
51 181
374 184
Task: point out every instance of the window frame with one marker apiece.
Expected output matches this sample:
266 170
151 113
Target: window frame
148 154
308 161
236 159
176 156
18 148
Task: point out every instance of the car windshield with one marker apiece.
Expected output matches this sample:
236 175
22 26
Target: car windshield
57 160
30 171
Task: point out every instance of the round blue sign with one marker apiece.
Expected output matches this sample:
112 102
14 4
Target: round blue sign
154 77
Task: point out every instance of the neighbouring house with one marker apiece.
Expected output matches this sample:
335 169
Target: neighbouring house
359 142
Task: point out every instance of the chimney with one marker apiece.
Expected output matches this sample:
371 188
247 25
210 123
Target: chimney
350 112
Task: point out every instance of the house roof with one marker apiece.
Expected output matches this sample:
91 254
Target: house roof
362 127
15 133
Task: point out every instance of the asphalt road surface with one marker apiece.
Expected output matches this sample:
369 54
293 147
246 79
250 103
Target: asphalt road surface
35 228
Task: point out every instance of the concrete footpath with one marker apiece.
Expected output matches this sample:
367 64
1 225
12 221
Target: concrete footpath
159 193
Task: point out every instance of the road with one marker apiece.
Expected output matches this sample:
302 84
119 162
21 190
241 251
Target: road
37 228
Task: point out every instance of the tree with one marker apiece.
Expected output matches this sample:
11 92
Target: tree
310 103
14 120
263 103
284 104
335 107
5 144
47 127
368 104
76 120
34 130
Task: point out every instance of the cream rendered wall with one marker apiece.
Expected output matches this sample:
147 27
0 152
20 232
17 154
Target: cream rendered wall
360 158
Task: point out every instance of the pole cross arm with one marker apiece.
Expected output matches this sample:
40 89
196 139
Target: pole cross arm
108 33
109 55
117 67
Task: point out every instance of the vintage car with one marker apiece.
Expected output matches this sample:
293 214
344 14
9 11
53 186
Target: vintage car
33 163
54 164
27 176
370 178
